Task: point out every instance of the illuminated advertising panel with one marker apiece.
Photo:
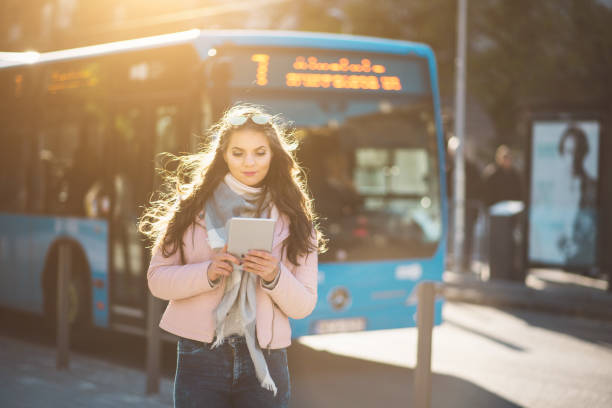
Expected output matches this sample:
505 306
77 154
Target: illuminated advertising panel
325 70
563 193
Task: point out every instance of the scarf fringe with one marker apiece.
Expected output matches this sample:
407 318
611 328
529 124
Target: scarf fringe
218 341
268 384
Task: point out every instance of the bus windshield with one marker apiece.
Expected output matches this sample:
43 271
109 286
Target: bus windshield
372 170
367 134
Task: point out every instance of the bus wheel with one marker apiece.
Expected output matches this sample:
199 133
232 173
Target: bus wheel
79 297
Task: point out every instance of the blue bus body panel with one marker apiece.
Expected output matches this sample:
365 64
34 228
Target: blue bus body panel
382 293
25 241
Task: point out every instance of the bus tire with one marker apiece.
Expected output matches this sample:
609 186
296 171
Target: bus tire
79 291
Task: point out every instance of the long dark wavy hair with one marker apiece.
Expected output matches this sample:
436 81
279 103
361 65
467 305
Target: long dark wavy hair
581 148
185 190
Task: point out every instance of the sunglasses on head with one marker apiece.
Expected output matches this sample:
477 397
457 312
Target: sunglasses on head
258 119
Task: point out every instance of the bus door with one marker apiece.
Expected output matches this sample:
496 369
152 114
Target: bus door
129 152
140 131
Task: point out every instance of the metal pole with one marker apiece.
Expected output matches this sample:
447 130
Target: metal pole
153 345
63 328
425 320
153 362
459 228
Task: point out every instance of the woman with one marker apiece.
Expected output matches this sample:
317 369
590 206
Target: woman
579 196
231 315
573 149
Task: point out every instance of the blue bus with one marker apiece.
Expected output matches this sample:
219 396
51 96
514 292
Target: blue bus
82 130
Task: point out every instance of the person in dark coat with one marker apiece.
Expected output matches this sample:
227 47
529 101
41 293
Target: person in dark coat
501 180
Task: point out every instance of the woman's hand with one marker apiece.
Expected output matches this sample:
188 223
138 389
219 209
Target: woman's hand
221 264
261 263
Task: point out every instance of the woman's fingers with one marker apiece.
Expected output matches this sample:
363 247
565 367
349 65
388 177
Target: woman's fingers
225 261
222 263
260 254
261 258
252 266
267 272
255 260
262 270
222 268
261 265
229 258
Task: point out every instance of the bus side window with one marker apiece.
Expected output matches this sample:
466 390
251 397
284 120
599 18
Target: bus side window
14 159
85 172
69 161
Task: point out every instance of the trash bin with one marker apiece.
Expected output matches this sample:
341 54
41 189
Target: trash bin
506 241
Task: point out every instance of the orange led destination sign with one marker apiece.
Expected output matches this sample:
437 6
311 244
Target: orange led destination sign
339 73
83 78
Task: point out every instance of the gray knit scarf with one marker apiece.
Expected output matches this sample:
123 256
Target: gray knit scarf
235 199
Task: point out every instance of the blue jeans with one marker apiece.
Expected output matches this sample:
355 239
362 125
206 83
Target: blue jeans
225 376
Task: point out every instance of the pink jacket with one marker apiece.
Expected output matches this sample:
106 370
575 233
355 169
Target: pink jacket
193 301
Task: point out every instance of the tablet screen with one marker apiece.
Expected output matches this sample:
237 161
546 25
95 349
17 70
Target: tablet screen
245 234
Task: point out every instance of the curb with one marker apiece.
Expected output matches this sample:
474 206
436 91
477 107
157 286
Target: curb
516 295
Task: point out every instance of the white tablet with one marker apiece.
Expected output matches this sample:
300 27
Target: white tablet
245 234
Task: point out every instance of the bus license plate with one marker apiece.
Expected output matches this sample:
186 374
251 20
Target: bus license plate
349 324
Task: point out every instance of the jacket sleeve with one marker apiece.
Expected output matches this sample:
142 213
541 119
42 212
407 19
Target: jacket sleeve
296 293
169 280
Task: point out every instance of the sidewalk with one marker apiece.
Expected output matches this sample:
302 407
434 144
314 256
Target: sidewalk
546 290
29 379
